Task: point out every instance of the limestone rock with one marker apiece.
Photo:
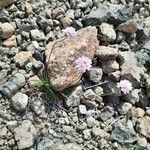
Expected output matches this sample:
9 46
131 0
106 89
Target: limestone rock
61 66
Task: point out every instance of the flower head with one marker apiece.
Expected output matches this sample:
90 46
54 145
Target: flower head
125 86
70 32
83 63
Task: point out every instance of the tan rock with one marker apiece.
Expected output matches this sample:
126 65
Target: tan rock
130 26
96 131
33 81
69 146
28 8
137 112
23 58
110 66
64 74
147 78
106 52
6 30
11 42
147 21
143 126
5 3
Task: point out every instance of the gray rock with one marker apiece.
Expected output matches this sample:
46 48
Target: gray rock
130 69
82 110
110 88
74 98
113 13
25 135
89 103
45 144
37 35
110 66
124 132
98 91
13 84
125 107
19 101
106 113
68 146
95 74
87 134
42 22
133 97
91 121
85 4
107 53
108 33
90 95
115 76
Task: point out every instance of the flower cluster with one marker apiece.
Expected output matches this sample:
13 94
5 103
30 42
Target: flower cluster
125 86
83 63
70 32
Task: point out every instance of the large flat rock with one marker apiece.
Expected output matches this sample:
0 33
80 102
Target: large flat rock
61 66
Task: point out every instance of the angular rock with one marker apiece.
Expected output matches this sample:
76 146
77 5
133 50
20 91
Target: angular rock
37 35
11 42
82 110
115 76
148 85
110 66
75 96
108 33
130 69
131 26
19 101
13 84
87 134
125 108
25 135
113 13
6 30
23 58
147 21
95 74
106 52
106 113
124 132
96 131
137 112
69 146
143 126
90 95
5 3
61 66
91 121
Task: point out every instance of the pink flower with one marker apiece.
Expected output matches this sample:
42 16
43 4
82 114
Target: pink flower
83 63
70 32
125 86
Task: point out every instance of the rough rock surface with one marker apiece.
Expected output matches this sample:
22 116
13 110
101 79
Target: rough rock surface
5 3
61 65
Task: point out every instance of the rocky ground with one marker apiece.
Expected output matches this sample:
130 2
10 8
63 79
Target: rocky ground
95 114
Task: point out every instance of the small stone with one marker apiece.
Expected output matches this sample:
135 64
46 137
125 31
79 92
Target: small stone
75 96
3 132
147 21
90 95
110 66
11 42
19 101
28 8
57 12
137 112
91 121
23 58
82 110
106 113
124 132
7 30
130 26
98 91
33 81
108 32
143 126
142 141
148 85
107 53
25 135
115 76
148 112
37 35
68 146
96 131
95 75
87 134
125 108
